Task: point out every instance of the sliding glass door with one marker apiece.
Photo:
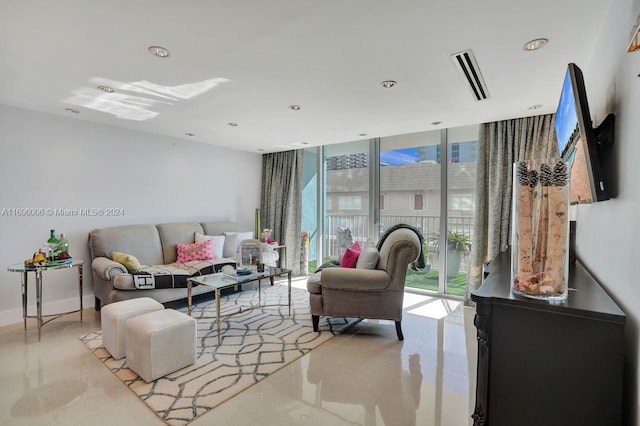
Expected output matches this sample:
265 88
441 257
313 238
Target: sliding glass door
355 191
410 192
462 150
347 197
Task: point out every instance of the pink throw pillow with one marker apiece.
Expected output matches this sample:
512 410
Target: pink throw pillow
350 257
196 251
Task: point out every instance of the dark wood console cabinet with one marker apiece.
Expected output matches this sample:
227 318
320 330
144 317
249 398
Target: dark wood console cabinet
546 364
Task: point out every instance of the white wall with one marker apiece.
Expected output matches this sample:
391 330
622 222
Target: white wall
608 233
53 162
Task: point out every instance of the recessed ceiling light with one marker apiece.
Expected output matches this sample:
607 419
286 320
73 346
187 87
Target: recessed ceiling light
304 143
535 44
362 134
260 150
388 84
233 124
159 51
72 110
189 134
536 106
435 123
295 107
106 89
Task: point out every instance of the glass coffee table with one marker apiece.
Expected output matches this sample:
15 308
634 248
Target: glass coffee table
220 281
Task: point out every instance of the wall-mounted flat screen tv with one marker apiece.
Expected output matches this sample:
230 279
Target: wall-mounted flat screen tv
582 146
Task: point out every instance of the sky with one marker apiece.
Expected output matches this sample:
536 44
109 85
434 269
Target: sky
399 156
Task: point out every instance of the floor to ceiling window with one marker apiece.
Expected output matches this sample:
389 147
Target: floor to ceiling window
424 179
462 143
410 181
347 197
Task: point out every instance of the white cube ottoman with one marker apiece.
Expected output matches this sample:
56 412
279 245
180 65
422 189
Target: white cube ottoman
114 316
159 343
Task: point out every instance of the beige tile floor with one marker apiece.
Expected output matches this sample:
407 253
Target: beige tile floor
363 377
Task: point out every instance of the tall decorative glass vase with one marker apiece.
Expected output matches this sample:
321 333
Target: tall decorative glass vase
540 237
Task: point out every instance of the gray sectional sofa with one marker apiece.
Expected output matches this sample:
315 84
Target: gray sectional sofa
154 246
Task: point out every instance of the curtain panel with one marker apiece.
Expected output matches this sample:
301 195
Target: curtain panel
281 202
500 144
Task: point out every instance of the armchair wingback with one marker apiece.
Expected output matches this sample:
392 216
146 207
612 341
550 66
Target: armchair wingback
367 293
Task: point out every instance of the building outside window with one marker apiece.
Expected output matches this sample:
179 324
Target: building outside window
418 202
350 202
455 152
462 202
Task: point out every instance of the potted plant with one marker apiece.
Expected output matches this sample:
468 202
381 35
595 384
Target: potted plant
458 245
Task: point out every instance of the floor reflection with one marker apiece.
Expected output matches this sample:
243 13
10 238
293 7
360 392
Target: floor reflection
49 397
396 401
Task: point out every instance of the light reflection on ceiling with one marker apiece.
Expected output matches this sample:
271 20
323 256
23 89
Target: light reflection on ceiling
134 107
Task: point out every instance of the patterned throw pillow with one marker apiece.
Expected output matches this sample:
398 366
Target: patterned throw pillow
195 251
350 257
217 243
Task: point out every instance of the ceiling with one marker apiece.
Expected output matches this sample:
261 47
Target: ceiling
246 62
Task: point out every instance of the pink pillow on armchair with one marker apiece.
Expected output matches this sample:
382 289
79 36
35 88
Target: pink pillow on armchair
196 251
350 257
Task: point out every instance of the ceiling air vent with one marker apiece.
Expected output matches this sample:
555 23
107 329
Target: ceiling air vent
466 63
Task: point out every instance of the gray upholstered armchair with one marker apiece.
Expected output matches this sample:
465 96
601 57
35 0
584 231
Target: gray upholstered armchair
367 293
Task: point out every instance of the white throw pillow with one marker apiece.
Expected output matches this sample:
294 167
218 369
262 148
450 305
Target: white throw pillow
217 243
232 240
368 258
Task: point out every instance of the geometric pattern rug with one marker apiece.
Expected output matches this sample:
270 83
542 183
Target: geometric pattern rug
254 344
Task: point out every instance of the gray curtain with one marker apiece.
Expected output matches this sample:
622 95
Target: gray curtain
281 203
500 144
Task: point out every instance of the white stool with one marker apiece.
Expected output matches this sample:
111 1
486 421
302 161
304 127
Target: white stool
159 343
114 316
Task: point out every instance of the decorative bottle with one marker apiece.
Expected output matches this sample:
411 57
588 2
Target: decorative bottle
63 244
52 245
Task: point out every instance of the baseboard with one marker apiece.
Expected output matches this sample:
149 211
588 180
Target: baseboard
14 316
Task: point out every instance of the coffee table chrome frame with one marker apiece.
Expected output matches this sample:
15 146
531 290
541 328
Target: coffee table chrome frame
239 281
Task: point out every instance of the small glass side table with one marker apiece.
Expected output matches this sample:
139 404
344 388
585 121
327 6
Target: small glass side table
38 271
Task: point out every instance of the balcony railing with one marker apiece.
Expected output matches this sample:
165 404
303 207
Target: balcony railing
359 227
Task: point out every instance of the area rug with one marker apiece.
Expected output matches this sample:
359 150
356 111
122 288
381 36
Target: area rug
255 344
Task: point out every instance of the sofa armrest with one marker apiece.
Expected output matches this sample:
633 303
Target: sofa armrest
106 268
355 279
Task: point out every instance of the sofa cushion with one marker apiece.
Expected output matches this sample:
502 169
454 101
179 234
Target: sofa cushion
151 277
355 279
217 243
194 251
130 262
141 241
176 233
203 267
173 275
